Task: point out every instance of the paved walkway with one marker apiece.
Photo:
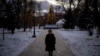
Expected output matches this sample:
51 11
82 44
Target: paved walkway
37 48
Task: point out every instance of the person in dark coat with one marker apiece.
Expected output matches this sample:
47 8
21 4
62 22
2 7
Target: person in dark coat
50 42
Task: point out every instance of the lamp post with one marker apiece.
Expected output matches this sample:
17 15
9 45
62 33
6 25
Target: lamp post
33 13
34 34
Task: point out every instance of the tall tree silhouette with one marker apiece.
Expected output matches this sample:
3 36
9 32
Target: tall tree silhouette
96 14
3 15
69 17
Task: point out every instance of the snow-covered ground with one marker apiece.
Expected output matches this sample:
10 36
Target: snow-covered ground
81 43
78 41
15 43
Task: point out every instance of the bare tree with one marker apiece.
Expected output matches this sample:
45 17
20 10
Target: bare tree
39 12
3 15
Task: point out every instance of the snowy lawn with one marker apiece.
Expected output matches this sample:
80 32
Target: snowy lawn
15 43
81 43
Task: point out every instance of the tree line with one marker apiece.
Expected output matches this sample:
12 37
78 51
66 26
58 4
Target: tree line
12 13
82 14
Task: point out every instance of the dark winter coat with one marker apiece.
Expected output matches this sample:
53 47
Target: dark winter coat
50 42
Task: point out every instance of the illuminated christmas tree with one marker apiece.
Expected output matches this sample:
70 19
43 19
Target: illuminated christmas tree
51 16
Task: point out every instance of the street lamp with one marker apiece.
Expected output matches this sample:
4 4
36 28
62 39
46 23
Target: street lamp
33 13
34 34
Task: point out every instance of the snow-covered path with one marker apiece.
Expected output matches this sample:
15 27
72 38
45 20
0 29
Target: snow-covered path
37 48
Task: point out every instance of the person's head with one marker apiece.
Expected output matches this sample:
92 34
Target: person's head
49 31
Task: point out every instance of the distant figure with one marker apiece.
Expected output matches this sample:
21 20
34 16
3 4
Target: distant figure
50 42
